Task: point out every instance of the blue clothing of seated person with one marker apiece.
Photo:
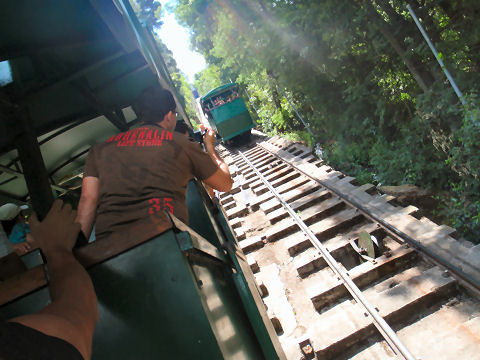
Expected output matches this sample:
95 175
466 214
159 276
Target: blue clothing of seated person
19 233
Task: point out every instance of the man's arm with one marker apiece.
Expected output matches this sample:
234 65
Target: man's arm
221 180
73 313
87 207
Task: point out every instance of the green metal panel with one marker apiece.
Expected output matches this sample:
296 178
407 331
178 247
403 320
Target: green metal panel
149 306
114 91
124 64
229 110
250 296
198 219
231 119
221 304
229 128
172 297
26 27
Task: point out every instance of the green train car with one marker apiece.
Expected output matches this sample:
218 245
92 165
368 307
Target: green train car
70 72
226 112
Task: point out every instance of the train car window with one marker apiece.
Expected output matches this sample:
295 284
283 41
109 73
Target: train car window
221 99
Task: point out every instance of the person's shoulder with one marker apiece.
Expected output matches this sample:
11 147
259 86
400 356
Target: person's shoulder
95 147
182 139
95 150
99 145
188 144
111 141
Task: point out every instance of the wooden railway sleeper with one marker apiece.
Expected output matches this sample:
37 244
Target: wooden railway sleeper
463 277
385 330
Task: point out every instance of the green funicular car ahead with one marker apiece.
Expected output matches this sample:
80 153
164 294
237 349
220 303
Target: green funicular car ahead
227 113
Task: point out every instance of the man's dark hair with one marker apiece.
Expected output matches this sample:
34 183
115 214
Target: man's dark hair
153 104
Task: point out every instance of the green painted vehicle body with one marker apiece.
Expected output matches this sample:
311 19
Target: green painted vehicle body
177 296
164 299
230 119
168 305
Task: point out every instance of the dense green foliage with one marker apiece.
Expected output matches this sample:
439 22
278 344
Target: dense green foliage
363 76
150 12
208 79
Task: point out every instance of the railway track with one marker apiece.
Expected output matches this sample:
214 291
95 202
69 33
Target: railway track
334 261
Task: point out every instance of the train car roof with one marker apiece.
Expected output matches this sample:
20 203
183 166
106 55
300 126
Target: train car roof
217 91
73 68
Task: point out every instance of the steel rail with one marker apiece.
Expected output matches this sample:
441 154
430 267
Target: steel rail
467 280
385 330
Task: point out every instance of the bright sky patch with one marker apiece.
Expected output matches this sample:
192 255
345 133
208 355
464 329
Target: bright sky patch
177 40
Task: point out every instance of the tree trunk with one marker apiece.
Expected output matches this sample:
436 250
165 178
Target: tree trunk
422 79
273 88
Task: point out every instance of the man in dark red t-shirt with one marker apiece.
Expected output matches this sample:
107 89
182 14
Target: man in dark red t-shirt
135 176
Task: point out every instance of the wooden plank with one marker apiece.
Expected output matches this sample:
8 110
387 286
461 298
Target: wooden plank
299 244
417 293
330 226
287 226
299 204
22 284
362 275
11 265
281 189
102 250
270 178
236 212
251 244
283 180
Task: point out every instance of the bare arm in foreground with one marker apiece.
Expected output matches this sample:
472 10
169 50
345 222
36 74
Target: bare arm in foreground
87 207
72 315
